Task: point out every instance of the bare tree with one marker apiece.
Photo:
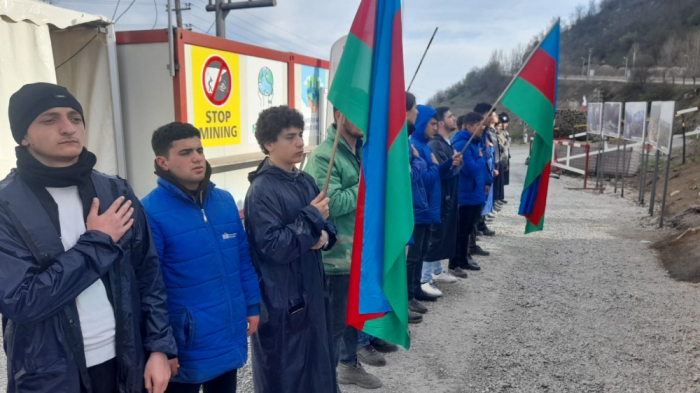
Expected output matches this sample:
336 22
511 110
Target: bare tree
515 59
669 57
592 8
694 55
579 13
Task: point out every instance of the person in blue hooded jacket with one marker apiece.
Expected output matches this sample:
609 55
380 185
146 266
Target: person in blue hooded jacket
474 182
213 293
426 203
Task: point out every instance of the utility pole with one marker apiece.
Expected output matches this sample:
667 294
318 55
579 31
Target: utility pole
626 60
590 52
222 9
178 12
635 47
583 66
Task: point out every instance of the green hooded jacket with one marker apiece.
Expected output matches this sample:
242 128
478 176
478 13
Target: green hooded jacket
345 184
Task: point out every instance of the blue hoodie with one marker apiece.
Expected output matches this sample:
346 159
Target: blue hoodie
426 202
475 174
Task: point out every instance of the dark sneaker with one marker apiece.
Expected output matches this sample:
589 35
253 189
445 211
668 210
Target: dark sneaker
471 265
355 374
415 306
414 317
497 208
384 346
488 232
420 295
479 251
369 356
458 272
503 201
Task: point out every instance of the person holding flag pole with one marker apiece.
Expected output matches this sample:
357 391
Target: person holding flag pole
368 89
532 96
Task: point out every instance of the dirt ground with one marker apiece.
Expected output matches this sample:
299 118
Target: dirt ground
584 306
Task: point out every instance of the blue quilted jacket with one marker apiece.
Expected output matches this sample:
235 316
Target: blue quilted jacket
211 283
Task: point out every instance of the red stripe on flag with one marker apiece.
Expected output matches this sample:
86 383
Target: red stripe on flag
365 23
353 317
541 72
541 202
397 95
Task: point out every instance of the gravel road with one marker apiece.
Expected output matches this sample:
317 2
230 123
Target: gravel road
580 307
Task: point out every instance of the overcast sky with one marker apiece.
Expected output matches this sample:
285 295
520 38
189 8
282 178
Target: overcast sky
469 30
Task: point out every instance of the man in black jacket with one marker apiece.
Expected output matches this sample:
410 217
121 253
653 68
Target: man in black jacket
286 222
443 235
81 292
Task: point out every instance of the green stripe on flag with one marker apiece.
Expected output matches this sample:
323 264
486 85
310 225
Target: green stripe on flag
352 81
398 227
537 111
529 227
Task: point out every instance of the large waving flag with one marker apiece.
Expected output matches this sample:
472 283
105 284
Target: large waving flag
533 98
368 89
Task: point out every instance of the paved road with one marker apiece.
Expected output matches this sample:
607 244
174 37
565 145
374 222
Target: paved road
620 79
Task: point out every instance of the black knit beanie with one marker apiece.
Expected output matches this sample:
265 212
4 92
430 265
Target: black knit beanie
34 99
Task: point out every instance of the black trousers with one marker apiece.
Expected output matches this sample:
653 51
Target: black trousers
499 184
103 377
469 215
414 260
344 336
224 383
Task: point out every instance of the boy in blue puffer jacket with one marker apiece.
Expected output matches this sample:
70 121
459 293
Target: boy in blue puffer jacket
213 292
474 182
426 203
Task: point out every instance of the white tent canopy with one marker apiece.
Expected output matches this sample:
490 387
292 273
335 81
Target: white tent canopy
44 43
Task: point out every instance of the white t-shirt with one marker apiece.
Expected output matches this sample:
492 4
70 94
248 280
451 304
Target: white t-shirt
94 309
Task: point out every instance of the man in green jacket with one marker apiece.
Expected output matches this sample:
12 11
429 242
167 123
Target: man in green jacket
342 191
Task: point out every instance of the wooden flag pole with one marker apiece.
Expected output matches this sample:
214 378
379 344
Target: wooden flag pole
340 125
421 59
498 101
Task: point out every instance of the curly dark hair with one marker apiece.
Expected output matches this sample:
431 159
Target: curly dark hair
272 121
163 138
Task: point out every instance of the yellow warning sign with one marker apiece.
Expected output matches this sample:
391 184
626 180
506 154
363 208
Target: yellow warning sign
216 96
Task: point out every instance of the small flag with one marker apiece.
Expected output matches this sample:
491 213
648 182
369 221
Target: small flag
533 97
368 89
585 104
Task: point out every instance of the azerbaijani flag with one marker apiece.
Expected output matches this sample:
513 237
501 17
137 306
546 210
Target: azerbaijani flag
368 89
533 98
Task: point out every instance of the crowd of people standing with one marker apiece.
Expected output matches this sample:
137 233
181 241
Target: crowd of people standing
101 292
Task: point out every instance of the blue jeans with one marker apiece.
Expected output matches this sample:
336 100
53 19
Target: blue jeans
345 337
363 339
430 268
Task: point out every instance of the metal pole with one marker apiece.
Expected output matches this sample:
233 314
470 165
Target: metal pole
602 166
585 172
171 39
617 165
652 197
421 60
645 165
682 129
625 169
668 169
626 61
220 16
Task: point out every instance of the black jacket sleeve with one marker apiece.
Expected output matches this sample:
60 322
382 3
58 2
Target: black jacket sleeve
28 294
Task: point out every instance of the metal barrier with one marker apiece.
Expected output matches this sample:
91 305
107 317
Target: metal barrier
566 162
